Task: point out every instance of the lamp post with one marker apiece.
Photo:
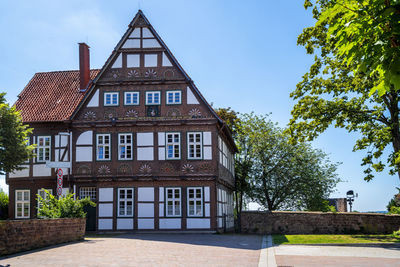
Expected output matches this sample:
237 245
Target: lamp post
350 198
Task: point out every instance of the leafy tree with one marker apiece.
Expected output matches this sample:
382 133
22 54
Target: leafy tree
284 175
64 207
354 80
394 202
14 149
243 160
364 34
3 205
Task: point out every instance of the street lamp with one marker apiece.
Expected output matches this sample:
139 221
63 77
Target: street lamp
350 198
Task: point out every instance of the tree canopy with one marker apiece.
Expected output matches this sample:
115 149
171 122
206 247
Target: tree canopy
354 81
275 173
285 175
14 147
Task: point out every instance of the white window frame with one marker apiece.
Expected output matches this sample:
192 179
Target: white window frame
174 144
41 192
88 191
152 97
103 145
132 93
125 145
195 144
125 201
23 202
174 200
174 101
43 147
195 199
111 94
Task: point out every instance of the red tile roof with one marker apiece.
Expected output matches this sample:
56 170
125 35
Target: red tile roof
51 96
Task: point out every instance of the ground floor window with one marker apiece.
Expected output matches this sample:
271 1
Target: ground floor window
125 202
195 201
22 203
87 192
173 202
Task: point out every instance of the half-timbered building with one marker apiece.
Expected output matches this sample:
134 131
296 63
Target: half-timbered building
136 136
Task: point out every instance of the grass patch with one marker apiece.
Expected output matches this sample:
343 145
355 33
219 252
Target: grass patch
333 239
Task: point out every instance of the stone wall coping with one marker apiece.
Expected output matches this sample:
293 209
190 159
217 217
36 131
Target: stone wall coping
321 213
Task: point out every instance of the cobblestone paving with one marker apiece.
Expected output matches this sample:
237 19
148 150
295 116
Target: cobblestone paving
147 250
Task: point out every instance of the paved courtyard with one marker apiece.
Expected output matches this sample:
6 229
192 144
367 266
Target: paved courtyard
200 250
147 250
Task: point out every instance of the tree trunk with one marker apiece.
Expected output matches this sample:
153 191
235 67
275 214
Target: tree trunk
395 126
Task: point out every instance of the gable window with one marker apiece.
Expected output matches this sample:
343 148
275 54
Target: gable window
125 146
174 97
22 203
195 146
103 147
111 99
153 98
87 192
44 195
43 148
173 144
131 98
173 202
195 201
125 202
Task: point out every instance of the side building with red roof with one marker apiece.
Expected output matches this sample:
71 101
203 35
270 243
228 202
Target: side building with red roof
136 136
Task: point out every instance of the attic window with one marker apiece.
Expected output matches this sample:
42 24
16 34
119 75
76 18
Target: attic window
111 99
153 98
141 38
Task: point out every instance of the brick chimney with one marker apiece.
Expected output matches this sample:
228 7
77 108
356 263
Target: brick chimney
84 66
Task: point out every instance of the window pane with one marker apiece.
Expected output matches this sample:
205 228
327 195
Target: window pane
26 209
26 195
177 193
129 208
129 193
198 209
170 151
19 209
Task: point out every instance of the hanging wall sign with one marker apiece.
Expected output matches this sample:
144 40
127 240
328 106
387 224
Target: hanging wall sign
59 182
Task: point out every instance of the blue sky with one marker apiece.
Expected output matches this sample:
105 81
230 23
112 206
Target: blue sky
241 54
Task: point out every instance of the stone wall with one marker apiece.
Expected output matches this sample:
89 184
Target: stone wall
22 235
287 222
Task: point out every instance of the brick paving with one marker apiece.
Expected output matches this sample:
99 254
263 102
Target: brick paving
311 261
147 250
327 256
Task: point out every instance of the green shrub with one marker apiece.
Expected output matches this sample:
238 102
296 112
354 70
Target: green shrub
3 205
396 234
394 210
64 207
